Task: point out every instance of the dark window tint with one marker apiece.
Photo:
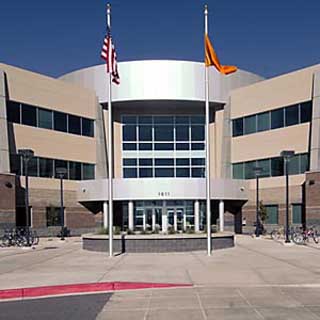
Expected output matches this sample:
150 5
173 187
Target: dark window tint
145 133
60 164
13 111
45 168
29 115
45 119
87 171
164 172
238 171
145 172
164 146
60 121
198 172
182 162
198 161
129 146
164 162
265 167
129 162
145 146
163 133
294 164
264 121
197 146
297 213
306 111
197 119
182 133
182 146
182 120
272 214
277 119
129 119
87 127
129 133
292 115
145 162
237 127
277 167
74 170
15 164
163 119
74 124
33 167
304 162
197 133
248 169
145 120
250 125
182 172
130 173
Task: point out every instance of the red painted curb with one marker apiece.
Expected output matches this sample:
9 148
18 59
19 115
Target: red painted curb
21 293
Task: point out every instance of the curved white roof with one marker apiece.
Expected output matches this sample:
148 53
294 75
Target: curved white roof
161 80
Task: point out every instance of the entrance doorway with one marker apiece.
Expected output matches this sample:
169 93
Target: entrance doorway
176 219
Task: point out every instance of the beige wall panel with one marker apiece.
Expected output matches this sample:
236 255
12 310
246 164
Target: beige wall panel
28 87
53 144
276 182
48 183
270 143
273 93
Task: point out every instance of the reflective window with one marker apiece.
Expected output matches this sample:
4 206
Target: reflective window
45 168
182 146
238 170
129 119
248 169
182 133
197 119
164 146
145 162
250 124
197 133
197 146
129 162
13 111
163 133
182 120
265 166
277 120
88 171
304 163
292 115
294 164
198 161
130 173
163 119
145 133
297 213
145 120
182 172
129 133
60 121
272 214
32 167
129 146
237 127
74 170
87 127
306 111
164 172
45 119
198 172
29 115
145 146
164 162
264 121
145 172
74 124
277 167
183 162
60 164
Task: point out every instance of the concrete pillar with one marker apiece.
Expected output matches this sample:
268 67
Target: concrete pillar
221 215
130 216
144 220
175 221
197 216
164 221
153 219
105 214
184 221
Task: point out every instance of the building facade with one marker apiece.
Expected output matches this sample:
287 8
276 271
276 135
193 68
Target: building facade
158 146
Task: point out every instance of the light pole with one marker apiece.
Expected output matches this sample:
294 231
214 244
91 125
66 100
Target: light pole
27 155
61 172
286 155
257 171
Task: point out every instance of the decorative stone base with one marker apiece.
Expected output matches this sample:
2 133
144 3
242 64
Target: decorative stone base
157 243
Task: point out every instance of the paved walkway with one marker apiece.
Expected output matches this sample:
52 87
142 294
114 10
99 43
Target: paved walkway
259 279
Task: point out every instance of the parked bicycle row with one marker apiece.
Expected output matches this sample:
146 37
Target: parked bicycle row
297 235
21 237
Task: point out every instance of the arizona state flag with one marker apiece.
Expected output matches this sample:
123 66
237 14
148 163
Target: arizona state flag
211 59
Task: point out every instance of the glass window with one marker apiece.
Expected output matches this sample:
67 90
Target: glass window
145 133
163 120
197 133
238 170
197 119
182 146
129 162
60 121
182 172
248 169
277 120
182 133
15 164
294 165
292 115
88 171
198 161
237 127
163 133
129 119
277 167
182 162
164 162
297 213
164 146
145 120
197 146
250 124
74 124
265 166
45 168
29 115
182 120
130 172
272 214
53 216
45 119
198 172
87 127
304 162
145 146
305 111
129 146
164 172
74 170
32 167
264 121
145 162
13 111
60 164
145 173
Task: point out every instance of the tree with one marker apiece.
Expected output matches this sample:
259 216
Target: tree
263 214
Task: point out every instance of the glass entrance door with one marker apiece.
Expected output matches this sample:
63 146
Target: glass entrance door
148 213
180 224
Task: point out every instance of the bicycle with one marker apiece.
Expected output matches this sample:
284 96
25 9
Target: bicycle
305 235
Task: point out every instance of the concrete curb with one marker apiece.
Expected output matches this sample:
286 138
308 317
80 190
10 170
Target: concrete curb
37 292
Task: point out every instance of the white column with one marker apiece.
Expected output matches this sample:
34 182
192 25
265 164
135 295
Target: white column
164 221
184 221
144 220
196 216
130 216
221 215
175 221
105 214
153 219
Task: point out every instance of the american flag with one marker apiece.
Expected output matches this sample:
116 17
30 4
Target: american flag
108 54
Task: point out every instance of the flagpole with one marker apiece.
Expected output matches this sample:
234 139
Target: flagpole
208 207
110 151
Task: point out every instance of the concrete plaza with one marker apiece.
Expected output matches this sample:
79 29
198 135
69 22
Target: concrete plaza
258 279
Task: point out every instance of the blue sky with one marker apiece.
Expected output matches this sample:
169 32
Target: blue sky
55 37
